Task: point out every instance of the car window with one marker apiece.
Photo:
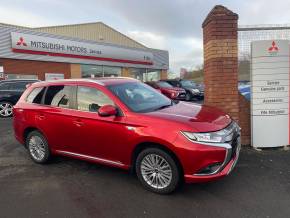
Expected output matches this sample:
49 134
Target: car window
58 96
164 84
188 83
4 86
14 86
139 97
173 83
35 96
18 86
91 99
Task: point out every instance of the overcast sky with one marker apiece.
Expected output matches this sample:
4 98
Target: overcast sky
173 25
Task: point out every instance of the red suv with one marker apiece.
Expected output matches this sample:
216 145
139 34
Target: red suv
124 123
168 90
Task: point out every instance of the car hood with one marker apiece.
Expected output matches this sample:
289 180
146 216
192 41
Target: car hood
173 89
197 117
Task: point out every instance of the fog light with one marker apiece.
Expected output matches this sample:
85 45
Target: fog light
210 169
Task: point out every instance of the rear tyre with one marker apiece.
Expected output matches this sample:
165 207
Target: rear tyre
37 147
5 109
157 171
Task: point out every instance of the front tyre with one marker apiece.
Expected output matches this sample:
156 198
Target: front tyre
157 171
37 147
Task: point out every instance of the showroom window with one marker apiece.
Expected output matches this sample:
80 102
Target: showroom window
112 71
153 75
21 76
91 71
138 73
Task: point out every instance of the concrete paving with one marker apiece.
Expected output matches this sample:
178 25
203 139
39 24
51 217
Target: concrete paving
258 187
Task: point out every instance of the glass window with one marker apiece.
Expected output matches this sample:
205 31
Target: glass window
89 71
164 84
188 83
19 86
91 99
35 96
153 75
112 71
21 76
139 97
4 86
138 73
58 96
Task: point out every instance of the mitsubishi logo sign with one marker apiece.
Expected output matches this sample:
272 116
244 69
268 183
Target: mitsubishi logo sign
274 48
21 42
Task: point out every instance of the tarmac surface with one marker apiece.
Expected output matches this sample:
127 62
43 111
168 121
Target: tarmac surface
259 186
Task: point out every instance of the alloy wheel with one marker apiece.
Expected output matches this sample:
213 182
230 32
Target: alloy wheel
37 148
156 171
6 109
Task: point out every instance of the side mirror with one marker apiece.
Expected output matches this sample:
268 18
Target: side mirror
107 110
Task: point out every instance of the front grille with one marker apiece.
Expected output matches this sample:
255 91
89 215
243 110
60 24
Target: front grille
181 95
234 131
234 145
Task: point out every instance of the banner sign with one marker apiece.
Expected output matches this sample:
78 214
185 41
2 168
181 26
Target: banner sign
270 93
40 45
53 76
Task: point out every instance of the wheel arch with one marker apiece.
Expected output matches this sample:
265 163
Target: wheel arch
29 130
144 145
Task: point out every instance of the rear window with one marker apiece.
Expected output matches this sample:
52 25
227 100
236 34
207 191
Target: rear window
14 86
35 96
59 96
4 86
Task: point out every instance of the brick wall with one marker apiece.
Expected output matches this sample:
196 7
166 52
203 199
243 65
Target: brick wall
38 68
220 40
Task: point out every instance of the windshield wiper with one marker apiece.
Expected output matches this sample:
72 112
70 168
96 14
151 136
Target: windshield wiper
164 106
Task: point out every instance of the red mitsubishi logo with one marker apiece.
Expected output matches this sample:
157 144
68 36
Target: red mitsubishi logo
21 42
273 47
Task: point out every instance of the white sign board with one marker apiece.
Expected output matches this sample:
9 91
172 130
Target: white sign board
54 76
270 93
40 45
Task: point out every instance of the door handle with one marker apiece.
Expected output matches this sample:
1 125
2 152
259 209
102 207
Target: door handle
78 123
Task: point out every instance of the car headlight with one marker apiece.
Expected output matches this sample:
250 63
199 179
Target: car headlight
195 90
221 136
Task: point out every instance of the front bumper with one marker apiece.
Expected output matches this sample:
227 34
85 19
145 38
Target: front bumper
230 161
204 162
180 96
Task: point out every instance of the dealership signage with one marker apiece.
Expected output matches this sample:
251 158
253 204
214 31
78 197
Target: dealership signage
270 93
40 45
54 76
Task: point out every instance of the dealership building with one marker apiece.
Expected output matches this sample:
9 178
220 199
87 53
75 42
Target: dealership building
77 51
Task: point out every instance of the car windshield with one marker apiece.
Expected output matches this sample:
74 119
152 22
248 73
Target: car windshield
139 97
188 83
164 84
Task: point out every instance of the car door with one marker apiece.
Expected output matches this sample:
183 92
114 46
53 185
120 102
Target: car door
53 117
99 137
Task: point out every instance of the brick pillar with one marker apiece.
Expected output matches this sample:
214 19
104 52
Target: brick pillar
75 71
221 60
163 74
125 72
